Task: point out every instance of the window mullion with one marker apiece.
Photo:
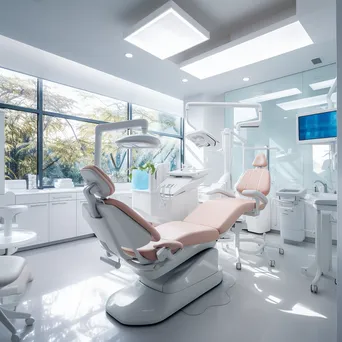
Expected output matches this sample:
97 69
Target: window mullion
40 133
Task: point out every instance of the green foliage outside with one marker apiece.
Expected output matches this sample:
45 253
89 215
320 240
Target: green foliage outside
68 144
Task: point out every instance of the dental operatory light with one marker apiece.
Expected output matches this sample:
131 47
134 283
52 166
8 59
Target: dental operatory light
307 102
272 96
143 140
230 57
128 55
167 31
138 141
245 79
322 85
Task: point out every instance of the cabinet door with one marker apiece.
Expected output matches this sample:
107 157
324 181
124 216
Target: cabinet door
62 220
36 219
83 227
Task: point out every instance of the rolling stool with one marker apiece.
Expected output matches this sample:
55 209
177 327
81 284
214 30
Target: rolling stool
11 269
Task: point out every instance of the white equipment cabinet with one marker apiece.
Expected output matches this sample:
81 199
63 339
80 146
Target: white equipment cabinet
36 219
291 214
62 220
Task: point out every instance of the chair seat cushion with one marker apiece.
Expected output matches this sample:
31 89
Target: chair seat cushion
11 268
220 214
175 235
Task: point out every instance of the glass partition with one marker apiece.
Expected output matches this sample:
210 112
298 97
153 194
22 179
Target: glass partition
282 99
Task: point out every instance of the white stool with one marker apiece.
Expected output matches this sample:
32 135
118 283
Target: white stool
12 267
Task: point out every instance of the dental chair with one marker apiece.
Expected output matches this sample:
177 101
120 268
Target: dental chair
176 261
249 199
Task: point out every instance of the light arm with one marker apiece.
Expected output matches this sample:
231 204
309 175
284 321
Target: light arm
115 126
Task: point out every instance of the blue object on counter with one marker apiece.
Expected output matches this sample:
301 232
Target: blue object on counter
140 180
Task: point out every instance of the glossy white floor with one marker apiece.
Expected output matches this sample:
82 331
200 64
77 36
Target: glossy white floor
71 286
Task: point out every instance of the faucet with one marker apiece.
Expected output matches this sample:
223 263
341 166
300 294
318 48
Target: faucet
324 185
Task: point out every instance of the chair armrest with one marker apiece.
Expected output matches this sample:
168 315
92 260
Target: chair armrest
221 192
257 195
173 245
166 249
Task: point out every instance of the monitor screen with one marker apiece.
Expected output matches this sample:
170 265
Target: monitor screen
317 126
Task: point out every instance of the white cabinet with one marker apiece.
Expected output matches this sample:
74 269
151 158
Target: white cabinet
83 227
62 220
36 219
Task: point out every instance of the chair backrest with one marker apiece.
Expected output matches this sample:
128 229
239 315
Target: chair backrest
256 179
114 223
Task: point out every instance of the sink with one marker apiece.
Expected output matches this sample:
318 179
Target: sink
287 193
321 198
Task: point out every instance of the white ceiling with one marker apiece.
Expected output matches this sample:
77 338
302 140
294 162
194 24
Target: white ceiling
91 33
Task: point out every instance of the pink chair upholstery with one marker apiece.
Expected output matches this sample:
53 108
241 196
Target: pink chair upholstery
203 225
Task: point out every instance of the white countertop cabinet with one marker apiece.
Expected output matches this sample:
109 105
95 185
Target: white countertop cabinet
56 214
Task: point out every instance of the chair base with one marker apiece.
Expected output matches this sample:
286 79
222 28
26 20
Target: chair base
18 287
261 242
148 302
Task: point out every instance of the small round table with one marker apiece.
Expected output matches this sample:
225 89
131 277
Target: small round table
18 238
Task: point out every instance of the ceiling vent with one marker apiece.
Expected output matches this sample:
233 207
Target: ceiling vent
316 61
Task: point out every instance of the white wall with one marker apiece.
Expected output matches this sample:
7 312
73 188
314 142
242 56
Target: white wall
32 61
211 120
339 213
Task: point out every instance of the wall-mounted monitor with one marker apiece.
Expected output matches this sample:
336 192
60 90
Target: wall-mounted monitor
317 128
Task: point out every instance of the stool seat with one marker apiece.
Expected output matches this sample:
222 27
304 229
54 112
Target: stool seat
11 268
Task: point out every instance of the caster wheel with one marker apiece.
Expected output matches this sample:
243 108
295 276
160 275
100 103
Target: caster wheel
314 288
281 251
29 321
238 266
335 281
272 263
15 338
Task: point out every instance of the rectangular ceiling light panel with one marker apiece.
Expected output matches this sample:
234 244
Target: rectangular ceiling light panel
273 96
307 102
322 85
285 39
167 31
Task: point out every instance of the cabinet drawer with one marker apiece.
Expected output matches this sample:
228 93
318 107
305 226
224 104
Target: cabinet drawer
31 198
62 196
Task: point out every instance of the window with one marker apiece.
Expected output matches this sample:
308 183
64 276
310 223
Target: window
169 128
53 135
158 121
20 144
18 89
168 152
58 98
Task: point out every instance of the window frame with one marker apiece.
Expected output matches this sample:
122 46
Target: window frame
40 134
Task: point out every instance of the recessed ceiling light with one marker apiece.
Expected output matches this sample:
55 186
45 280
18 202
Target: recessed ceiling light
167 31
185 80
227 57
285 117
322 85
245 79
128 55
307 102
273 96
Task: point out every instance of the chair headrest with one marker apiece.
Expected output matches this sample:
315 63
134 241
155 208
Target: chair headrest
94 175
260 160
